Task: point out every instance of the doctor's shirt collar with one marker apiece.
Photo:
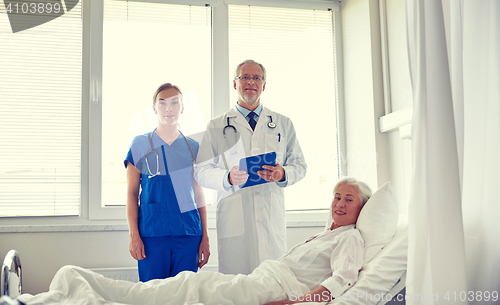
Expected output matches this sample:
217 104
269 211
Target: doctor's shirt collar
245 111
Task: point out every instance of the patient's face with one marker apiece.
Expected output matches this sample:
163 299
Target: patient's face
346 206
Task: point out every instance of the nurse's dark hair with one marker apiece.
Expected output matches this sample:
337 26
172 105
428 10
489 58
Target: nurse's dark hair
363 189
165 86
249 61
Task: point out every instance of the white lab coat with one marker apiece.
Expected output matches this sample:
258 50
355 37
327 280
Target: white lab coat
251 224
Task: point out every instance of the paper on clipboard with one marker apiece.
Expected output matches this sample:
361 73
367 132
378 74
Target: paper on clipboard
253 164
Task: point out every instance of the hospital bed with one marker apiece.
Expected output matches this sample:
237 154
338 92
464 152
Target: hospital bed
384 275
381 278
11 279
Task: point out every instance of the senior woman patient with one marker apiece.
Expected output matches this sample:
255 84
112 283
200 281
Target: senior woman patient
322 267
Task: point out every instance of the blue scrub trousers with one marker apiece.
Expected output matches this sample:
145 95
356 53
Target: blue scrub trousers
166 256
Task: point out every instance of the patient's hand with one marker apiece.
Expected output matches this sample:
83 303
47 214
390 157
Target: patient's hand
316 295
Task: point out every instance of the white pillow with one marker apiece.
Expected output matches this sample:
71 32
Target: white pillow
377 277
378 221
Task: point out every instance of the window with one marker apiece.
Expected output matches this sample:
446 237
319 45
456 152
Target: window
146 45
40 117
76 90
300 86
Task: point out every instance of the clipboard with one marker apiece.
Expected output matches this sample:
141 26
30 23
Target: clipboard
253 164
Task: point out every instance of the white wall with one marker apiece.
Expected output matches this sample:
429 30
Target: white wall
364 98
401 97
42 254
368 150
399 69
358 92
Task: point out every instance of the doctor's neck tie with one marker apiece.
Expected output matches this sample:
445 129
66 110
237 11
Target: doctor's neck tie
252 121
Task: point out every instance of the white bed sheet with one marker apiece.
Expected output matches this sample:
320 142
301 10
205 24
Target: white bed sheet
272 280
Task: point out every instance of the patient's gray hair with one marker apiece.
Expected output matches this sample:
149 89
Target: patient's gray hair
363 189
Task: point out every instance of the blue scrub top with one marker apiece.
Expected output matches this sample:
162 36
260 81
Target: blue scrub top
167 206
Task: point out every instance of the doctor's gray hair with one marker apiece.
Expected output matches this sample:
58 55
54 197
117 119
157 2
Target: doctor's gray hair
165 86
363 189
250 61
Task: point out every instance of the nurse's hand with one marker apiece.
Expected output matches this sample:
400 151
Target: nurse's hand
237 177
273 173
136 248
203 252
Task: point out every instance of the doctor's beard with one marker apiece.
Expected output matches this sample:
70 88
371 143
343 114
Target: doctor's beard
249 99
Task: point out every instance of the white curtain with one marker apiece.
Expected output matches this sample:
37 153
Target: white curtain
454 240
481 179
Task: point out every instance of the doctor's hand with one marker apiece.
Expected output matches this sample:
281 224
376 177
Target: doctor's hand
237 177
136 248
273 173
203 252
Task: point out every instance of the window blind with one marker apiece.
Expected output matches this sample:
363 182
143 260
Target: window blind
40 117
297 48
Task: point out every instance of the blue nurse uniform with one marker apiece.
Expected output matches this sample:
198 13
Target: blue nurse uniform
169 222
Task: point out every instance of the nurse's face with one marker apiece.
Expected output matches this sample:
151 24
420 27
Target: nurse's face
249 91
168 106
346 205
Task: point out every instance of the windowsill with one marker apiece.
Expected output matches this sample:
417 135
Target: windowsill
63 228
119 227
294 219
400 119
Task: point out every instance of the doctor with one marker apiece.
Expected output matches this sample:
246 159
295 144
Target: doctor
251 225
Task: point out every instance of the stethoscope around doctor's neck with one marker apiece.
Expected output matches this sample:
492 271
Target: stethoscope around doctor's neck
152 149
271 125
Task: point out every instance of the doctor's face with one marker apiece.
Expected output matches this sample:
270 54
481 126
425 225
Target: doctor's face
249 91
346 205
168 106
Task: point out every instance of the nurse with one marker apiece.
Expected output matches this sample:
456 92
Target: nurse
168 229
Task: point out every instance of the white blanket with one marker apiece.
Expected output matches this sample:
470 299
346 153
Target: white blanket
271 281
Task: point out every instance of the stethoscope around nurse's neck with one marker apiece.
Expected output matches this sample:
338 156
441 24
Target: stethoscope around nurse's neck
152 149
